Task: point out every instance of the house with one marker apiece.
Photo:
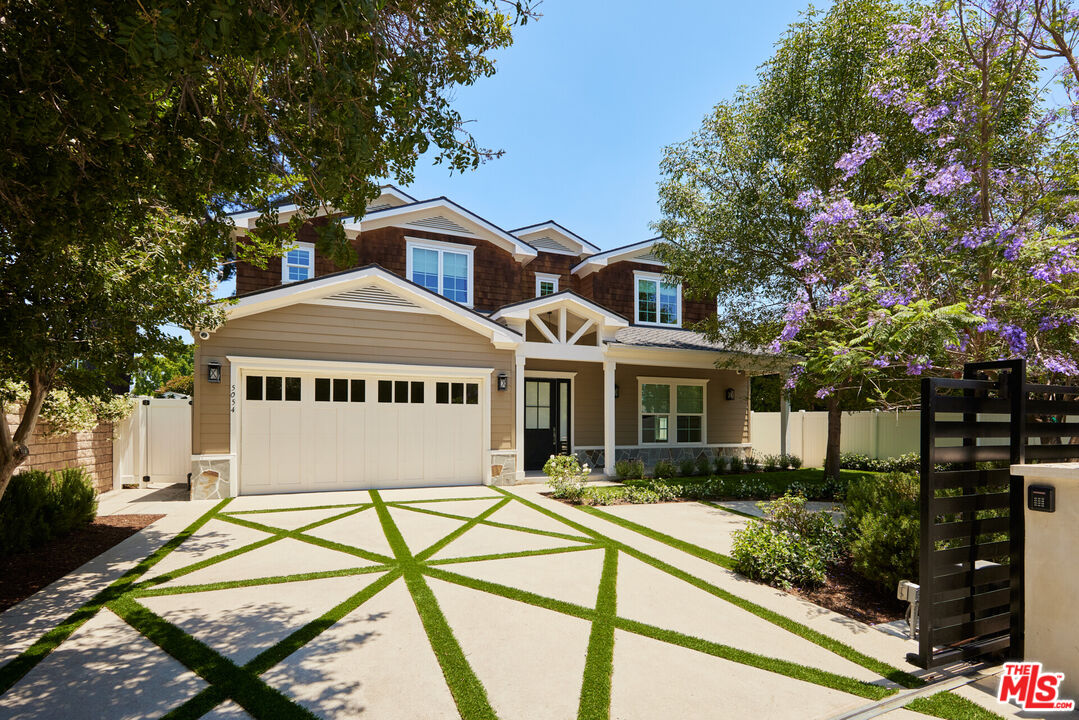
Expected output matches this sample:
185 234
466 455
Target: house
455 352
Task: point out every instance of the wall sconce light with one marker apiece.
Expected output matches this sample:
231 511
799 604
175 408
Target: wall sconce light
213 371
616 390
503 381
730 393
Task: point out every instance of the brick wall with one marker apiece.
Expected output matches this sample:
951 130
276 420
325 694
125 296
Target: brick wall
91 450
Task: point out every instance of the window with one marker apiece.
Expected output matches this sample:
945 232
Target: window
385 391
456 393
337 390
359 391
298 263
668 405
273 388
658 302
443 268
340 390
546 284
417 392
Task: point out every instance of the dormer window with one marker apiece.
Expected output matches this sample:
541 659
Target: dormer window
546 284
658 302
443 268
298 263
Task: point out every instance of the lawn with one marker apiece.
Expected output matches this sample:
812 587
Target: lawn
755 485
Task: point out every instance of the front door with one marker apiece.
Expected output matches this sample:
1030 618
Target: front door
547 420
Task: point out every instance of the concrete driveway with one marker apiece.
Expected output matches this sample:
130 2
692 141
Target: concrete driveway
438 603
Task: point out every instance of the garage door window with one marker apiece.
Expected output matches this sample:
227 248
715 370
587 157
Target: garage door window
337 389
273 387
457 393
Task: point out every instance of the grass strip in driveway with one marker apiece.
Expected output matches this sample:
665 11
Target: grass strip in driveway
300 534
492 523
472 522
358 506
686 547
595 701
883 669
274 580
951 707
255 696
518 554
732 511
468 693
15 670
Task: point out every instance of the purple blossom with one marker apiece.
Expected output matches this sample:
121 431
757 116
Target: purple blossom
864 148
1059 364
807 198
841 211
825 391
917 366
927 118
891 298
792 379
1016 338
802 261
948 179
880 362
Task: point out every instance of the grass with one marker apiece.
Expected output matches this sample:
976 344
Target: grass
242 683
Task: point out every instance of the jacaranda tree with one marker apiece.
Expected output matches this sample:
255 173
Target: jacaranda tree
132 127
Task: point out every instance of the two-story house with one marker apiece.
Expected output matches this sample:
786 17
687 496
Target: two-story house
455 352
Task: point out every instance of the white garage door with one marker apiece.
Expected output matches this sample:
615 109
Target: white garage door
338 431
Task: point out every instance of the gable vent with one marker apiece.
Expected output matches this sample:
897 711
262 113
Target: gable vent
647 257
372 295
437 222
378 206
549 243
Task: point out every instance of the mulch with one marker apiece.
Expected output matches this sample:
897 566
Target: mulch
23 574
848 593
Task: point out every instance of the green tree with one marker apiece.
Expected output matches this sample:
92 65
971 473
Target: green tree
730 195
132 129
155 371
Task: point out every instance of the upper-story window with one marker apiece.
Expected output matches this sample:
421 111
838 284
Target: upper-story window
298 263
546 284
658 302
443 268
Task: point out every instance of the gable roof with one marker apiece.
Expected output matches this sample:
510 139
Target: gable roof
523 308
390 196
406 292
444 216
635 252
551 237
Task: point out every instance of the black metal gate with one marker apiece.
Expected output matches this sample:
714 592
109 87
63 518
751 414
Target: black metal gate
971 571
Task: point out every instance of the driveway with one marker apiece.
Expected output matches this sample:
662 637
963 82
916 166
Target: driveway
468 602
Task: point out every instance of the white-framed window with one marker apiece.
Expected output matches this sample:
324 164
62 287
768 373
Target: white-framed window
656 302
441 267
671 411
298 263
546 284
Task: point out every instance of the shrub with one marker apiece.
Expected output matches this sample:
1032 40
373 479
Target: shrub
793 461
704 465
770 463
664 469
789 514
737 463
753 464
723 464
39 506
629 469
882 524
908 462
765 553
687 467
565 476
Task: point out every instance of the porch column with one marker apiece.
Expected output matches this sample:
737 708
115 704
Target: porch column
519 406
608 417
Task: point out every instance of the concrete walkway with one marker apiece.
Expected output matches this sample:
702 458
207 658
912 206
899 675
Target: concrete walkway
435 603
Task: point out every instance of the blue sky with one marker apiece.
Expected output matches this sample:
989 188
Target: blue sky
584 102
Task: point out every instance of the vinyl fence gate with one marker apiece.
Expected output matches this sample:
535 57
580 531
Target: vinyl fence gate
971 560
153 444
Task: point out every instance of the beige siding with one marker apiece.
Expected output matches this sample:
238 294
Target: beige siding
321 332
587 388
727 420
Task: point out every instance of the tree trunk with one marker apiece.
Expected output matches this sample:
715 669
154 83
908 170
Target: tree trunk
835 427
13 449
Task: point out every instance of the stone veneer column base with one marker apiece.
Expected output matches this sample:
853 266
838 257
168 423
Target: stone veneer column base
503 468
211 477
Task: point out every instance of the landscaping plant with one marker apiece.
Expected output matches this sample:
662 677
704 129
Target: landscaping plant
704 465
664 469
629 469
566 476
882 525
40 506
737 463
687 467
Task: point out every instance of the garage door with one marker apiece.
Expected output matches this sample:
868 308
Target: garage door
335 431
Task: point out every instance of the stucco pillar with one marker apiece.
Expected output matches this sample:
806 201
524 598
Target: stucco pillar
608 417
784 421
519 408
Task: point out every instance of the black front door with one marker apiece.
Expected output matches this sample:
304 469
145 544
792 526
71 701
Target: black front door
546 420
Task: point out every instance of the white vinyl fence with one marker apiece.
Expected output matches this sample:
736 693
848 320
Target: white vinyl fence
153 443
875 433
